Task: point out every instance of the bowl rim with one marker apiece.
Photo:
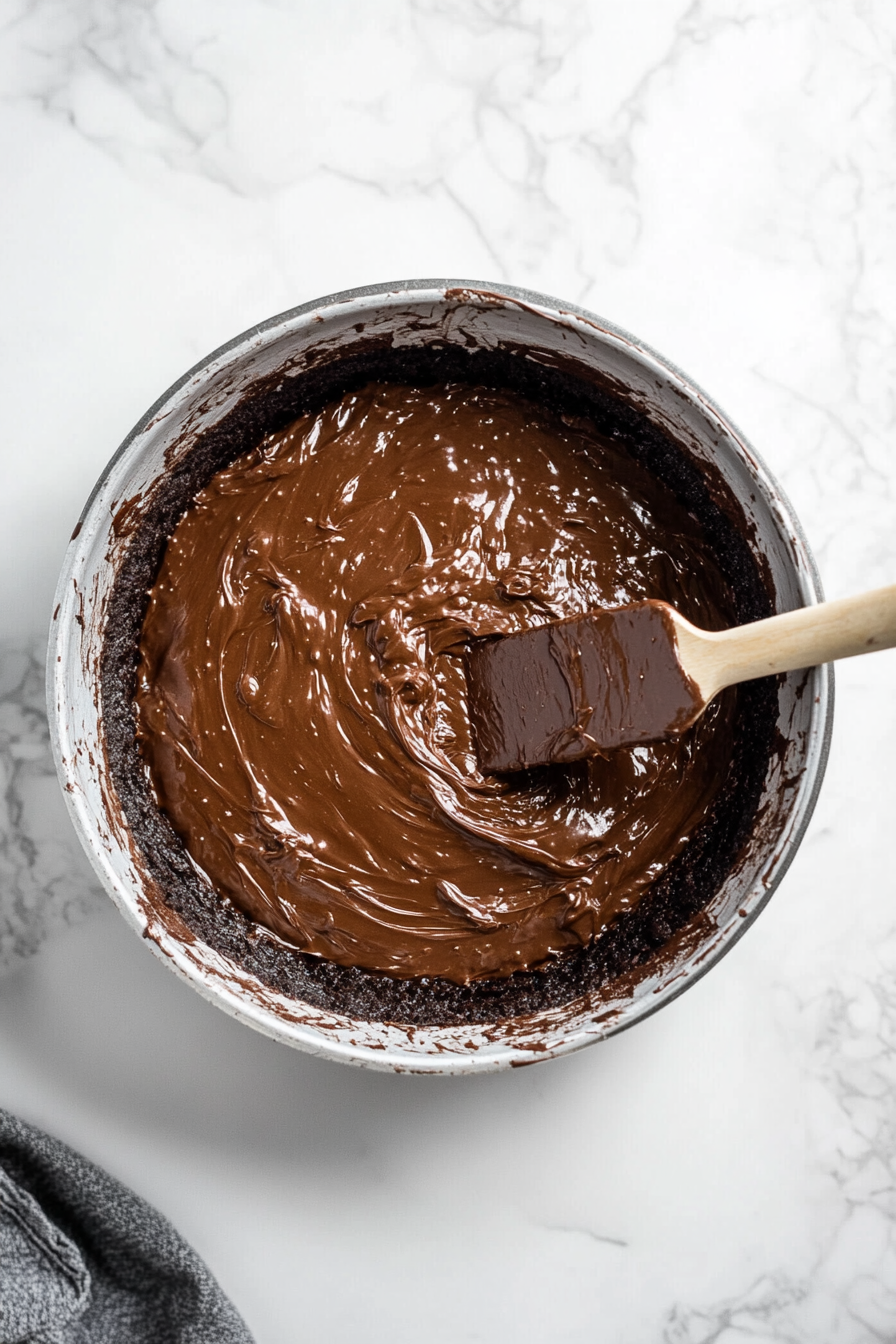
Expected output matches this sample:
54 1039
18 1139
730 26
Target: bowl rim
259 1016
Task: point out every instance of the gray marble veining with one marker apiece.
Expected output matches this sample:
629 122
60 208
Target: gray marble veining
46 882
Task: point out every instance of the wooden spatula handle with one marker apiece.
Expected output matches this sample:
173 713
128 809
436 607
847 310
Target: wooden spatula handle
804 638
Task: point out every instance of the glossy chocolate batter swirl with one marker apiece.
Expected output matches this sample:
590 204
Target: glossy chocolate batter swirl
301 701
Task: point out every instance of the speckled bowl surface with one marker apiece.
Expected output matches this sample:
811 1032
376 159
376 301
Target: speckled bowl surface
408 313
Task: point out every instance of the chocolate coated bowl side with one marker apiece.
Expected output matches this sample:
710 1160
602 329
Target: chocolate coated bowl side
223 407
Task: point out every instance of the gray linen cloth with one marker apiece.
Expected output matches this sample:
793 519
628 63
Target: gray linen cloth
84 1261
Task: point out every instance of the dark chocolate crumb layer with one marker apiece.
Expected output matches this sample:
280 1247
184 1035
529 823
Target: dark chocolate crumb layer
683 890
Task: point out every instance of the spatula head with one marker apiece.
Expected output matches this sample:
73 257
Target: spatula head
577 688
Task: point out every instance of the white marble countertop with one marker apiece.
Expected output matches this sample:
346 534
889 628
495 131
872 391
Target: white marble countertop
716 176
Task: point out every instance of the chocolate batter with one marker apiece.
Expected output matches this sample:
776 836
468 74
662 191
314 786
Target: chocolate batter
301 701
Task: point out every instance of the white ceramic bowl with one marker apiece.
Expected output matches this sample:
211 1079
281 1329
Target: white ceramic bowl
409 313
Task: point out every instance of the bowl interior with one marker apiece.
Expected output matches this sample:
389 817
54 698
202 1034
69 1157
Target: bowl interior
303 344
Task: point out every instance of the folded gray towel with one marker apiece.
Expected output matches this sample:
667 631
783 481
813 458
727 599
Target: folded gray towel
84 1261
